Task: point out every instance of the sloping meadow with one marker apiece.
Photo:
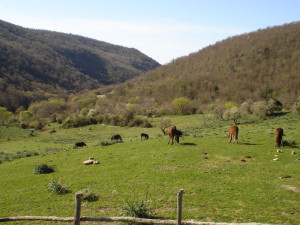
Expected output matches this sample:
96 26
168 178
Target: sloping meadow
222 182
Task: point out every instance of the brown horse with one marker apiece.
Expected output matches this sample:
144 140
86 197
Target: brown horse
174 133
116 137
143 135
233 134
279 134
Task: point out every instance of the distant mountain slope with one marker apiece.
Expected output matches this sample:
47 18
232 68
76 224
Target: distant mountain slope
36 62
256 66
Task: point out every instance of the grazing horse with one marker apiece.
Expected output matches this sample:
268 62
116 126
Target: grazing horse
80 144
279 134
233 134
174 133
146 136
116 137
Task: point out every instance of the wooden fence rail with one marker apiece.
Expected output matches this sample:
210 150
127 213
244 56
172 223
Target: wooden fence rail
77 218
120 219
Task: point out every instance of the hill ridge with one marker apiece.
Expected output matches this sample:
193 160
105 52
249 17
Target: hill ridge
258 65
48 62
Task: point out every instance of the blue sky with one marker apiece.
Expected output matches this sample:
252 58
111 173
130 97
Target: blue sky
162 29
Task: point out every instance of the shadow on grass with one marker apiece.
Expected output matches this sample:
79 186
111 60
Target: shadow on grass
246 143
275 114
291 144
186 143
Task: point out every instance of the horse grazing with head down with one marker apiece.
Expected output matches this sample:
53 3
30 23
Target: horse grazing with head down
116 137
145 136
279 134
233 134
80 144
174 134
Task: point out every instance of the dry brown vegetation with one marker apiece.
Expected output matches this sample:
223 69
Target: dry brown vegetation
239 76
257 66
37 64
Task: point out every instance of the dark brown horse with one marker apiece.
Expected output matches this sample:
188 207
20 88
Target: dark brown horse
174 133
80 144
145 136
279 134
233 134
116 137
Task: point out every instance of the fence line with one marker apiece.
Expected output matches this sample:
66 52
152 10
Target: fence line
77 218
179 206
120 219
32 218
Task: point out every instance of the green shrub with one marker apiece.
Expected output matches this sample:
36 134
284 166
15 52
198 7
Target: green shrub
88 195
232 114
116 120
100 118
25 117
274 105
5 116
136 209
218 109
43 169
93 120
181 106
38 125
229 105
139 122
260 109
107 118
79 122
57 187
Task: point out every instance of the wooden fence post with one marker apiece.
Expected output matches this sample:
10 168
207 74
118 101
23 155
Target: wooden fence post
179 206
77 208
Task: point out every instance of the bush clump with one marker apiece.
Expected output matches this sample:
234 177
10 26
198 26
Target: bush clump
57 187
43 169
139 122
136 209
89 196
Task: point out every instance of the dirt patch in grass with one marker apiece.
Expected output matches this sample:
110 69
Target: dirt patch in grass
167 168
291 188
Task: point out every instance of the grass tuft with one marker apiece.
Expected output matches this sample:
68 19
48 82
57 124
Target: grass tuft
57 187
88 195
136 209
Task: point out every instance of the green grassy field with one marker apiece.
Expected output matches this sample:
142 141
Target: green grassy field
222 182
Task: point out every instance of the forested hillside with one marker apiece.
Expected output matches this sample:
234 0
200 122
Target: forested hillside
35 64
255 74
258 65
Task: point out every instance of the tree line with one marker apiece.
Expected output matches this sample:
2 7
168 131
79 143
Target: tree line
37 64
241 75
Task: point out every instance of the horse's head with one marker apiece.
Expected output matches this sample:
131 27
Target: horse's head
179 133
